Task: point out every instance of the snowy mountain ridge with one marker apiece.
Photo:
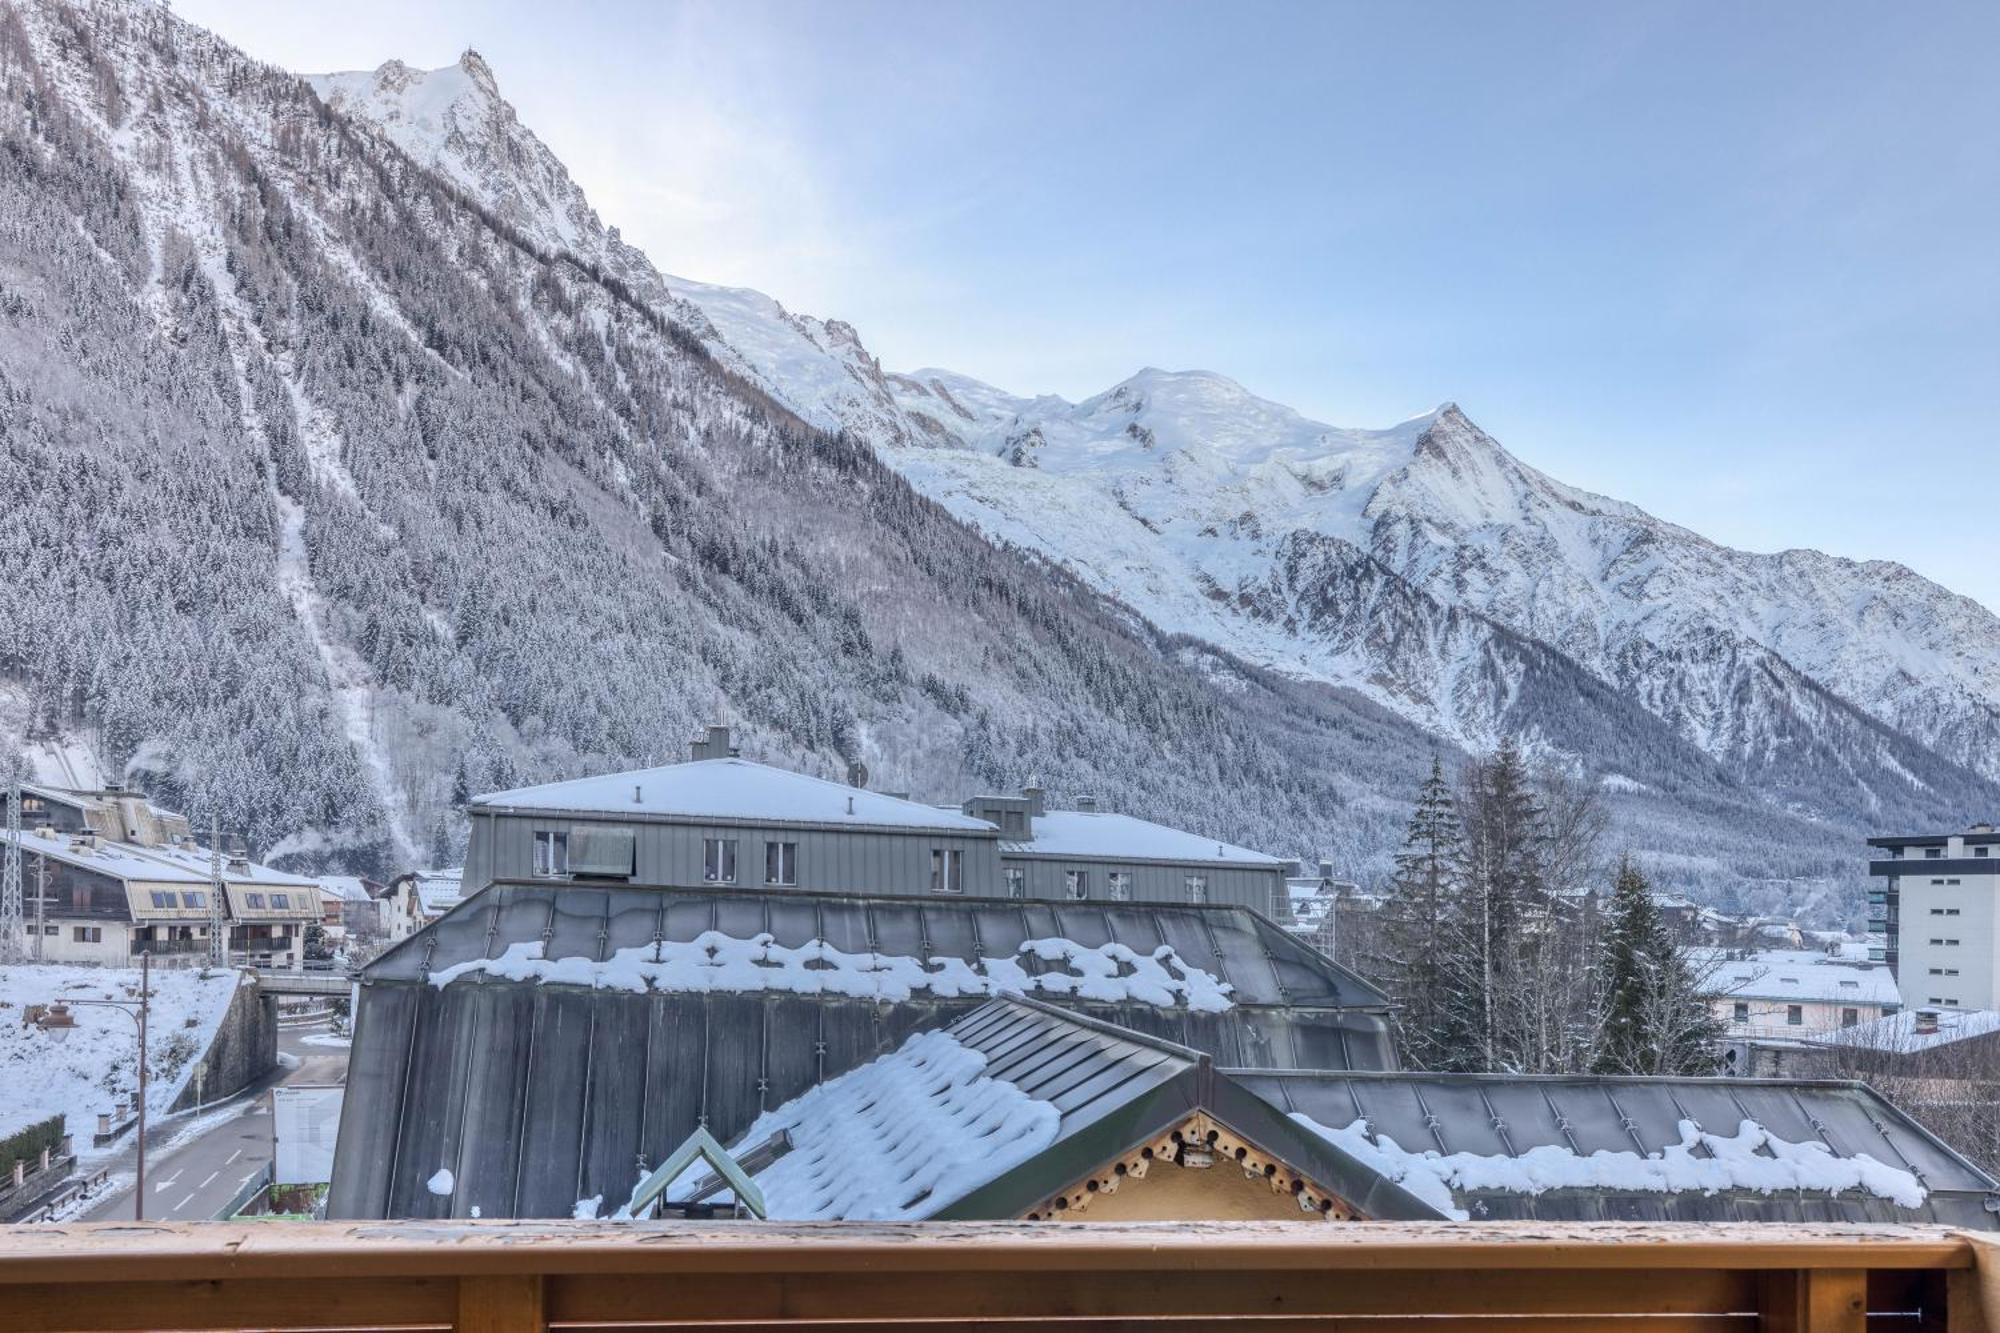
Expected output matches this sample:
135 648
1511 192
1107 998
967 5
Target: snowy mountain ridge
1212 512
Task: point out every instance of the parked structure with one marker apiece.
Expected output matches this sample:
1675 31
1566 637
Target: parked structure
1937 912
103 900
722 821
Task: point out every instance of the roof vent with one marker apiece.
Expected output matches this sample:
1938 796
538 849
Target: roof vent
239 862
83 840
1037 802
1927 1023
1087 804
638 794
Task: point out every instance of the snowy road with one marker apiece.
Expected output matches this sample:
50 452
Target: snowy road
193 1177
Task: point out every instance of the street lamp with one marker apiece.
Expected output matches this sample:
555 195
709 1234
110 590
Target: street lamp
58 1022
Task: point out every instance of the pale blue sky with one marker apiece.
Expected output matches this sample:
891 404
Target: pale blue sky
1734 263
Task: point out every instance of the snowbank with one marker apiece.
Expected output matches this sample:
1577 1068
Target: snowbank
84 1075
1751 1159
715 962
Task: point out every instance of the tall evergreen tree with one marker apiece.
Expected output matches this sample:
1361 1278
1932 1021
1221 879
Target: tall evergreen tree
1414 938
1502 886
1652 1018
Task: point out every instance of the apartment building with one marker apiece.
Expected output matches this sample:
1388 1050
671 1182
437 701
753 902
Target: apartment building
94 897
721 821
1937 912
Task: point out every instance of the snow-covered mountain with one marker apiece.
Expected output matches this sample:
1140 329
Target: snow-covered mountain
1386 561
357 463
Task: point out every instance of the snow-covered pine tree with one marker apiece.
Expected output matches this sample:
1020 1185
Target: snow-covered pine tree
1652 1017
1413 938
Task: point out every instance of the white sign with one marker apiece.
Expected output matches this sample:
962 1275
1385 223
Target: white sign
304 1123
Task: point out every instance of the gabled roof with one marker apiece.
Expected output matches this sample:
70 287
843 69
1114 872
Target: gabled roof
651 1010
153 865
989 1117
1101 835
735 791
1636 1149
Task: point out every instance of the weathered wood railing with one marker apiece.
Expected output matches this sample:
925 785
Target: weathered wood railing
500 1277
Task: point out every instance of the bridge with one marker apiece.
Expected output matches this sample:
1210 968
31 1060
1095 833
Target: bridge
283 981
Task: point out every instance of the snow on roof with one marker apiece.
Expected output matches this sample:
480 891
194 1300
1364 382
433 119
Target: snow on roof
344 888
118 859
716 962
1898 1032
1797 974
900 1137
1753 1158
732 789
197 860
1101 836
438 891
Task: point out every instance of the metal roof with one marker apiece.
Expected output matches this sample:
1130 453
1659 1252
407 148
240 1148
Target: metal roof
1509 1116
537 1093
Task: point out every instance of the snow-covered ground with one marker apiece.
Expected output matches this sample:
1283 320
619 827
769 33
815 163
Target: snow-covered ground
85 1074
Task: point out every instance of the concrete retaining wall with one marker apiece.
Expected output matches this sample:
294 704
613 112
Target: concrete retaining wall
245 1049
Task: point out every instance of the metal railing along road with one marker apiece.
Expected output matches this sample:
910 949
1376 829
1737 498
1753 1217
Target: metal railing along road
1374 1277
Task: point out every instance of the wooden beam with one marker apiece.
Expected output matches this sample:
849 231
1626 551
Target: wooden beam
1814 1300
500 1305
1972 1297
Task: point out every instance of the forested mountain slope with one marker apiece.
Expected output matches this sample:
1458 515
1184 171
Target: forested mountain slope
356 465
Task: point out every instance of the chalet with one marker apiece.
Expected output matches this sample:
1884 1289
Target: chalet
415 899
107 902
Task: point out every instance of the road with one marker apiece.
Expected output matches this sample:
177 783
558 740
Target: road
193 1177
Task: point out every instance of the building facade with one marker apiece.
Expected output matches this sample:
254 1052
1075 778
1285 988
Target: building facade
1937 913
719 821
91 898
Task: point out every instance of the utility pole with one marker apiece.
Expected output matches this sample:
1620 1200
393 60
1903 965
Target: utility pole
41 901
11 927
218 927
57 1020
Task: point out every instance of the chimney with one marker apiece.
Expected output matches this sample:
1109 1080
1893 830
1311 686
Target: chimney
1087 804
1326 870
1033 791
714 744
1927 1023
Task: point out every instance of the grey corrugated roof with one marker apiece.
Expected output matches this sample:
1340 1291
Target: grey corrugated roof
538 1093
1509 1116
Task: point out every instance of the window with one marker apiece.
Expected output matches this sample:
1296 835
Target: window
1937 881
1118 886
1951 911
1795 1015
1951 942
718 860
1951 881
1016 880
1979 851
254 900
1076 885
1741 1013
1196 887
51 930
551 854
86 934
281 900
194 898
161 899
1937 911
1850 1018
781 863
1933 853
947 871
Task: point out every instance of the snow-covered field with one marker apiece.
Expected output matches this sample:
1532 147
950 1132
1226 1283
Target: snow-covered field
96 1065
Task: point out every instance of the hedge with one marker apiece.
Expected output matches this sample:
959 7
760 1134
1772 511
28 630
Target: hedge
28 1143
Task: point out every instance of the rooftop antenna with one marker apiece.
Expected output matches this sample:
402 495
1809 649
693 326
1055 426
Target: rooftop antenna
218 936
11 928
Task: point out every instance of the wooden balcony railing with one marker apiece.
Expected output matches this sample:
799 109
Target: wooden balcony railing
510 1277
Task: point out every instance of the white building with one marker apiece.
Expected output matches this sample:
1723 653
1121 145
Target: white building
1792 994
1937 910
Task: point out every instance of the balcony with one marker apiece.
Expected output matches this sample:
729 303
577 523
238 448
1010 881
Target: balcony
513 1277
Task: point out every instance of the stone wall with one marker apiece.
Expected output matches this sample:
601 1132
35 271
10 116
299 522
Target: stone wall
245 1049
